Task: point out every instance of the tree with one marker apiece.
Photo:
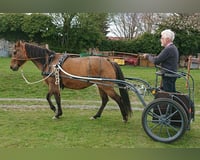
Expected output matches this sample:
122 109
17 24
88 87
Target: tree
63 22
33 27
131 25
187 30
89 29
80 31
180 21
124 24
10 26
38 27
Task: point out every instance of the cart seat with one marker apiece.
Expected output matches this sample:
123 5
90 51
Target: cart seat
159 73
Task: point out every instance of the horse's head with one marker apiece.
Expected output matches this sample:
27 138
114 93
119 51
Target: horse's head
19 56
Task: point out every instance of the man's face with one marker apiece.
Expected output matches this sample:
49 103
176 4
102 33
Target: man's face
164 41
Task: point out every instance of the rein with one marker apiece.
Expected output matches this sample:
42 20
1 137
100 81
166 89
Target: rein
27 59
28 82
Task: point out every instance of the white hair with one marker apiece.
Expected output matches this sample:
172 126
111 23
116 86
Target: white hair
168 34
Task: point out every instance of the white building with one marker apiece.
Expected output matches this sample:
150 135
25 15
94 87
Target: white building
6 48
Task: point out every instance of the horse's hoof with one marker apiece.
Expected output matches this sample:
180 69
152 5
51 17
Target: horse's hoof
54 117
125 121
92 118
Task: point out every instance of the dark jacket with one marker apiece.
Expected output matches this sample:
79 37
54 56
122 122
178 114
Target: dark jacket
168 58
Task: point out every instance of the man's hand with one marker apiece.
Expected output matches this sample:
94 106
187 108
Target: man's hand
145 56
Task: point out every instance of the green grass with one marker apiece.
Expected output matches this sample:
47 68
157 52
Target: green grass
32 127
13 85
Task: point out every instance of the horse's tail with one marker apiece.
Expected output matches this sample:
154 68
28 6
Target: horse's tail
123 91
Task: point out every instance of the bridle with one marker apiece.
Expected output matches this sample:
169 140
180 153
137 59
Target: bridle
26 59
24 53
54 72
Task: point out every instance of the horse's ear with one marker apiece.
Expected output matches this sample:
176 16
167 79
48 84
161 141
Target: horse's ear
17 44
22 44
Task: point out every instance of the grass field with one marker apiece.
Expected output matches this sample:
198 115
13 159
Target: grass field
29 125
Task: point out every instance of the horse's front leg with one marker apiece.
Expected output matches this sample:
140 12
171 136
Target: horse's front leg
58 102
48 97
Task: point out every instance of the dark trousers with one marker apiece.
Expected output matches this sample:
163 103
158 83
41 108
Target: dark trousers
169 84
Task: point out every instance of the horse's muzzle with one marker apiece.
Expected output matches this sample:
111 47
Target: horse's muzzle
14 68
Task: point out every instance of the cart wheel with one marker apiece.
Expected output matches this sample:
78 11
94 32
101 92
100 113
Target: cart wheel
164 120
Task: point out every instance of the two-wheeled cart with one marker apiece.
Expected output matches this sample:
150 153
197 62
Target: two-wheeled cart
168 116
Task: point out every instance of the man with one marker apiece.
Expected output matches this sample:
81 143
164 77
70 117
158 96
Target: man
168 58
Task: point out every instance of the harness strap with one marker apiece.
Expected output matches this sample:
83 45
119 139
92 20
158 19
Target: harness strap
89 66
60 63
100 66
50 59
62 59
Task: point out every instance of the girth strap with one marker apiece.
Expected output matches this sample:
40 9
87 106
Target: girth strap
90 74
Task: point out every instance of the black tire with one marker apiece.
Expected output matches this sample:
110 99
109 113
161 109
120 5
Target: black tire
164 120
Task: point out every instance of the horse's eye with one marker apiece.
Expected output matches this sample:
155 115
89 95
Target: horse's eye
14 52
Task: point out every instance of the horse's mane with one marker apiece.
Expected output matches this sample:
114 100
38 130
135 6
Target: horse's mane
38 52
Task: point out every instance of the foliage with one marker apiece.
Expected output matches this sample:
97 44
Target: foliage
146 43
132 25
87 31
38 27
10 26
187 37
72 32
182 21
77 32
186 27
34 27
110 45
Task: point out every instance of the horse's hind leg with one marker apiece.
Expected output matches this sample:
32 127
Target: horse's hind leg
119 101
104 99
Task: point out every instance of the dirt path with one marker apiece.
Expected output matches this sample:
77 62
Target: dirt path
45 105
42 103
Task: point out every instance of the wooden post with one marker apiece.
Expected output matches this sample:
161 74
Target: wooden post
46 46
188 70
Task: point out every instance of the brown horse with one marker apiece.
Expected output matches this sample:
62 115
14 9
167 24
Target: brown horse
46 60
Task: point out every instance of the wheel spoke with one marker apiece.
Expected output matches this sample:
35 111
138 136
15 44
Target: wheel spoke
155 126
171 115
154 120
168 109
175 129
168 133
159 109
161 127
152 114
173 120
